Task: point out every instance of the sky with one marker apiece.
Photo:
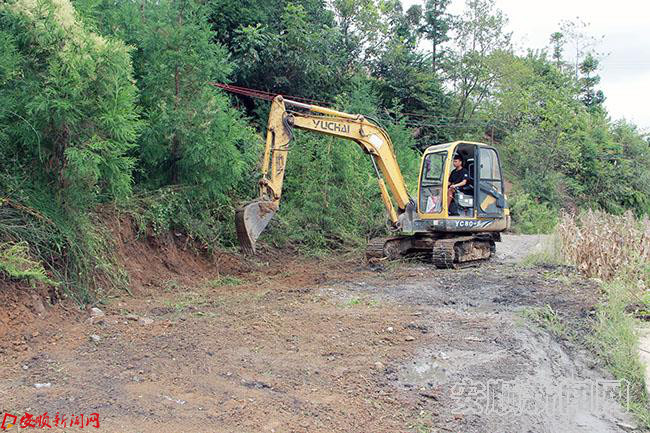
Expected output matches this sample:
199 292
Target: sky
623 24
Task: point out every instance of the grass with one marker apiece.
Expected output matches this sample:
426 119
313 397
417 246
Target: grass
548 319
615 250
616 341
227 280
423 424
190 299
356 301
172 286
352 302
606 246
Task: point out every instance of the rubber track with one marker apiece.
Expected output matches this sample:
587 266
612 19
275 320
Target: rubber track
443 255
375 248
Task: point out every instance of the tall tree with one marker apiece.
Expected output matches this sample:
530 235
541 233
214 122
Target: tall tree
577 33
68 111
557 44
591 97
300 54
436 26
362 30
193 137
481 39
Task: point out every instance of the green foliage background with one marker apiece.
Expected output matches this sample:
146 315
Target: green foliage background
107 105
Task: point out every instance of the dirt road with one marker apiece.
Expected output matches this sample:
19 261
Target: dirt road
295 345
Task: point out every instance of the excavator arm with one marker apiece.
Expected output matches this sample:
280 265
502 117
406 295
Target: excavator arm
253 218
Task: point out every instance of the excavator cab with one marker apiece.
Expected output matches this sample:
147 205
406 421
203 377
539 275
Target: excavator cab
481 198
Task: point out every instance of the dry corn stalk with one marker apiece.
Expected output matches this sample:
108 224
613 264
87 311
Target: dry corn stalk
603 245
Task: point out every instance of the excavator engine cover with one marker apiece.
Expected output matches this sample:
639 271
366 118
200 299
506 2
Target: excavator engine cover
250 220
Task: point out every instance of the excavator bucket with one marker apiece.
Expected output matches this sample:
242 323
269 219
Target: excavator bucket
251 220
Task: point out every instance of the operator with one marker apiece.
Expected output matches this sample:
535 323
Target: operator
458 179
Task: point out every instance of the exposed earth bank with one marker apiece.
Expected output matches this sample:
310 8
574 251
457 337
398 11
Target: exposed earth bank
281 343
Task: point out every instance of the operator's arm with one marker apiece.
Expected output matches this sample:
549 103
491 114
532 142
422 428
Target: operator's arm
459 184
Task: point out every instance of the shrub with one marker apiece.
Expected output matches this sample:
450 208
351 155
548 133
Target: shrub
531 217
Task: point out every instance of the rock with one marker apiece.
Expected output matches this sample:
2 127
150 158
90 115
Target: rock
145 321
132 317
96 312
409 338
390 329
95 338
379 365
42 385
37 304
178 401
625 426
25 367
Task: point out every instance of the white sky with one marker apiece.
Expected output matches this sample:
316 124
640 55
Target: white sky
624 71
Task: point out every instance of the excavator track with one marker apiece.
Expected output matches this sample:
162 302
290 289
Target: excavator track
383 248
463 252
451 253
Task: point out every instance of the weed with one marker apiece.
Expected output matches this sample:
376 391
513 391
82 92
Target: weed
530 216
190 300
205 314
359 301
353 301
423 424
603 245
548 319
172 286
16 263
225 281
616 250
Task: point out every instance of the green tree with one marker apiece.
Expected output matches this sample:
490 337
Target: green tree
591 97
298 55
69 109
193 136
480 44
436 26
362 30
557 44
577 33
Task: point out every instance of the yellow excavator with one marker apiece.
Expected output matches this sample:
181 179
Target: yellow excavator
453 230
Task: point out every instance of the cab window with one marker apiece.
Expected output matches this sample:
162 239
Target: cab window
489 171
433 171
434 168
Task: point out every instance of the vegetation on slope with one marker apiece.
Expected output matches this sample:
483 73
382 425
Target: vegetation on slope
107 104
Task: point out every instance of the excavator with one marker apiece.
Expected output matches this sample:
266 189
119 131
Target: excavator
451 234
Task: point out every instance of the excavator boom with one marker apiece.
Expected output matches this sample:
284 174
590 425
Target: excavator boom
252 218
